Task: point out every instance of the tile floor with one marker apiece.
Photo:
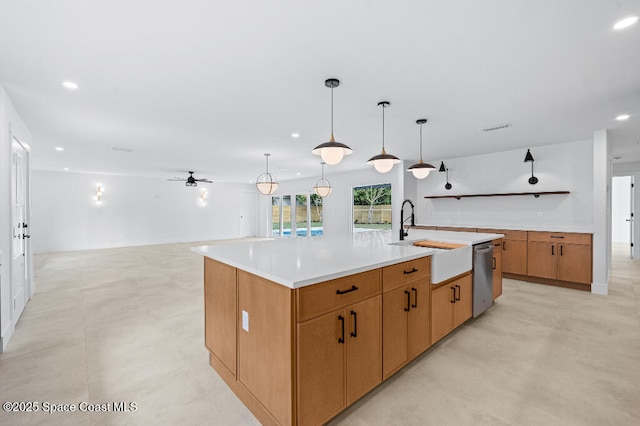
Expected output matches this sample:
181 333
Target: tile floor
126 325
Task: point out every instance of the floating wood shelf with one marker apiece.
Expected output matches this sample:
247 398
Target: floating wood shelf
504 194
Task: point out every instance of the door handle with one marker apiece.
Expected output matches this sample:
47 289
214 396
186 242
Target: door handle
458 287
353 288
453 299
415 292
354 333
561 250
553 253
504 245
494 263
341 319
411 271
408 308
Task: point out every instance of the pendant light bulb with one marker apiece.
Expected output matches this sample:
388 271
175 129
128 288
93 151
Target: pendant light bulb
421 169
323 187
332 152
383 162
266 183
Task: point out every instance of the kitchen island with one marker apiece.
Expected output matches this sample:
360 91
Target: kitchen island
301 328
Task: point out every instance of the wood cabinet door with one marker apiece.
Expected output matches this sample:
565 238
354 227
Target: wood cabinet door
220 297
463 308
419 319
395 306
543 259
442 300
574 263
364 347
321 368
497 272
514 257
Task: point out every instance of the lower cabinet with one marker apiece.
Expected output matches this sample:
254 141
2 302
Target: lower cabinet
405 313
560 256
339 359
451 305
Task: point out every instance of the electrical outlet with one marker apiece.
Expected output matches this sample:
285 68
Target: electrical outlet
540 215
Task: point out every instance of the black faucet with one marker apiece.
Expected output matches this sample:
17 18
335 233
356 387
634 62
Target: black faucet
402 220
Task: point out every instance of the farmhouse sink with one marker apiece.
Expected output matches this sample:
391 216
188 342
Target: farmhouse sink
446 263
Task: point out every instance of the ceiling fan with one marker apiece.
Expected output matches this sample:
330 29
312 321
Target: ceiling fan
191 181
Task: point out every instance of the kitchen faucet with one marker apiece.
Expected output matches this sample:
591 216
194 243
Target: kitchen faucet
402 219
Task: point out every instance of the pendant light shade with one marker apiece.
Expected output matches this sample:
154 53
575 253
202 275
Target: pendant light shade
421 169
383 162
332 152
266 183
323 187
528 157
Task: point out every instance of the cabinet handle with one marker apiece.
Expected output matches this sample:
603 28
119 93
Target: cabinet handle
353 288
504 245
415 291
453 299
557 236
341 319
411 271
408 308
494 263
354 333
458 296
553 253
561 250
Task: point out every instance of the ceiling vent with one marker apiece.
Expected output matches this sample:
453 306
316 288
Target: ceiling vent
495 127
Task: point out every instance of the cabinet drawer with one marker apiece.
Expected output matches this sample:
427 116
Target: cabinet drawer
508 234
320 298
400 274
560 237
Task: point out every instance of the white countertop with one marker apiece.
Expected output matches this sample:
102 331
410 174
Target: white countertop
301 261
586 229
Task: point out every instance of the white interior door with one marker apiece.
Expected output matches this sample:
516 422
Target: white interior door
631 216
248 214
19 229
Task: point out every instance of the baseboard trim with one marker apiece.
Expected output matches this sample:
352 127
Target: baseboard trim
601 289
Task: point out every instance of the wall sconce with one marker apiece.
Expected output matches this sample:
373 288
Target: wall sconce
203 196
529 158
445 169
99 192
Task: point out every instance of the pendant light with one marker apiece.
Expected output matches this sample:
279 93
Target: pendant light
332 152
421 170
528 158
323 187
266 183
383 162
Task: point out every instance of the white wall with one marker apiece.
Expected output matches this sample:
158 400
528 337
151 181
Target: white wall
10 125
134 211
561 167
601 212
620 209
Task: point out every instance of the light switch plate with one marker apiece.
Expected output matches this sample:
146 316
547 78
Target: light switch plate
245 321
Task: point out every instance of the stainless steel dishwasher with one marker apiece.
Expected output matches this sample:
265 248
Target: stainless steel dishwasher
482 277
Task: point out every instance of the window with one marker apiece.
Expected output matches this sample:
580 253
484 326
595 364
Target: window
372 207
307 210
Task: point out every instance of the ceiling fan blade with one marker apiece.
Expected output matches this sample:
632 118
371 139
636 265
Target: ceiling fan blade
177 179
204 180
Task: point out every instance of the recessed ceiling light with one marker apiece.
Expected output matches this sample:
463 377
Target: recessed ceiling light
59 148
623 117
295 135
298 174
70 85
65 169
625 23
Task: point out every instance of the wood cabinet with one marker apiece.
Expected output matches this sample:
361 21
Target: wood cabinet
220 312
406 317
339 353
514 250
560 256
497 268
451 305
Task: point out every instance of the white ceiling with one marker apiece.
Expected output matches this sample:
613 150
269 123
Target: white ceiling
210 85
